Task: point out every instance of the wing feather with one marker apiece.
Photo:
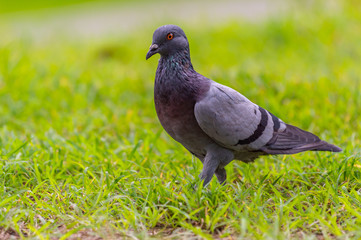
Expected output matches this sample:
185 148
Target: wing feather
236 123
294 140
232 120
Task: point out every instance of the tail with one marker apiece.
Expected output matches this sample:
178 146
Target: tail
325 146
294 140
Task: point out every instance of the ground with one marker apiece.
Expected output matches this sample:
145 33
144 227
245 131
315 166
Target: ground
83 156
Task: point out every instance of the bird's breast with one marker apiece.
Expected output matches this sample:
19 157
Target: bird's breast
176 114
173 110
175 96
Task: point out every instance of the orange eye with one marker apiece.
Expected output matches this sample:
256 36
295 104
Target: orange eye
170 36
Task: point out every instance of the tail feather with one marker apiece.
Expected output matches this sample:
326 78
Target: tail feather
294 140
325 146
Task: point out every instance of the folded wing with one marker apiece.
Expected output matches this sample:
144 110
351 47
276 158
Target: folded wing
236 123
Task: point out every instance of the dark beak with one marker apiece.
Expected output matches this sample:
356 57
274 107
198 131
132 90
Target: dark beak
152 50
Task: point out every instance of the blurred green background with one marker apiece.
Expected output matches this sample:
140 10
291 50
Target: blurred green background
82 154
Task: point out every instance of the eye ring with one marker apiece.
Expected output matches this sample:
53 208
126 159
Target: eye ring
170 36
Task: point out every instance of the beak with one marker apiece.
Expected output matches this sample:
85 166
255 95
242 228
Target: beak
152 50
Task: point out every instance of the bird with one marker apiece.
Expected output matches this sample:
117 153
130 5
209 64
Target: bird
214 122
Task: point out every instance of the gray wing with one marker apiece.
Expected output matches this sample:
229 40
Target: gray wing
236 123
294 140
233 121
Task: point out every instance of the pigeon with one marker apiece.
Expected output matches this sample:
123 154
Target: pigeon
213 122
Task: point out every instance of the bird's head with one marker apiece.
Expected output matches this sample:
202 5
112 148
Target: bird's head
167 40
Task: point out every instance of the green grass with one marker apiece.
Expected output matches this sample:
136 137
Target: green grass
24 6
82 153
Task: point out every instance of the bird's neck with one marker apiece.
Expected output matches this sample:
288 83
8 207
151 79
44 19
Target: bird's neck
176 80
176 63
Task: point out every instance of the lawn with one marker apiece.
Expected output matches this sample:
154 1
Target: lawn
83 156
